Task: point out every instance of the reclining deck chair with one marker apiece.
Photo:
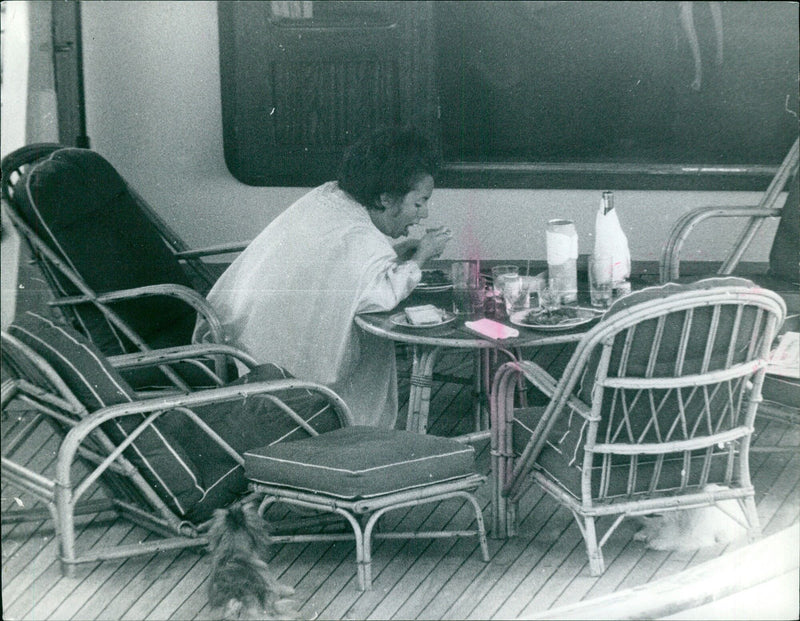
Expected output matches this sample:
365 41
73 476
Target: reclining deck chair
657 403
784 270
781 394
115 270
167 462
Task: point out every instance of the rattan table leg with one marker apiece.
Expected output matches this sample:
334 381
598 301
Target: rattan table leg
419 400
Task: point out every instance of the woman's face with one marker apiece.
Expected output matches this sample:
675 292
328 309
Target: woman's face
410 209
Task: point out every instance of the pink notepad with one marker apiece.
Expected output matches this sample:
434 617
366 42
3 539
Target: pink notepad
491 329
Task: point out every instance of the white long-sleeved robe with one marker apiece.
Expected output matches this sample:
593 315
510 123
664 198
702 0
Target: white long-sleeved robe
291 296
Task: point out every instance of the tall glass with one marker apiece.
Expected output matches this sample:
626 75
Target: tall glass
468 289
515 293
600 283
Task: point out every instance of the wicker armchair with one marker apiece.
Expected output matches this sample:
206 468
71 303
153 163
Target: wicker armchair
164 463
781 394
115 271
753 217
657 403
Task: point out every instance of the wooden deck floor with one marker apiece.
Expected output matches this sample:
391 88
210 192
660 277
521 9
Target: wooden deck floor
543 567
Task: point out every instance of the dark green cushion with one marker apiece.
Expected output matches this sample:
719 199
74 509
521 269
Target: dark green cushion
251 423
82 208
360 462
562 458
782 391
640 350
157 453
189 470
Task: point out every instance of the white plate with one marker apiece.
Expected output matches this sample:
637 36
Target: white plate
400 319
585 315
433 287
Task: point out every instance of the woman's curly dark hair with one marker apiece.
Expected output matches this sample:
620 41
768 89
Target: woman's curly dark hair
388 160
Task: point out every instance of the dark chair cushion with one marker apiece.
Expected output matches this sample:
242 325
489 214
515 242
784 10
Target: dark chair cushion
360 462
562 458
781 391
82 208
252 423
189 470
157 452
638 357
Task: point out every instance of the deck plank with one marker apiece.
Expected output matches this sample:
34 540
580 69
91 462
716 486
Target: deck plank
41 564
514 556
100 580
526 594
93 580
166 582
59 587
423 556
505 554
613 554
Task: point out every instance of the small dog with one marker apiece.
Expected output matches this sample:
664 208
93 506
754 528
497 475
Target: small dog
241 585
689 529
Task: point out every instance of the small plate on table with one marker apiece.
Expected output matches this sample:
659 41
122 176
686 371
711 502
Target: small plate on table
400 319
565 318
434 281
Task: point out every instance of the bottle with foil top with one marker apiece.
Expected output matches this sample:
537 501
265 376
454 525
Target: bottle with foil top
562 258
611 247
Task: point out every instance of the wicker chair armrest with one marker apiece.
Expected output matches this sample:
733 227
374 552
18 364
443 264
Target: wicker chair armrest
669 268
196 355
155 407
677 446
210 251
181 292
545 382
156 357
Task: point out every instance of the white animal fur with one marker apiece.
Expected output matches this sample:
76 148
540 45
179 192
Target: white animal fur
689 529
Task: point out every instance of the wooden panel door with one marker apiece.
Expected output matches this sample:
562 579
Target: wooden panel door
297 89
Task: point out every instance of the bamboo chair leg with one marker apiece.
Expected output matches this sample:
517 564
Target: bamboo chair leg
480 526
504 518
751 514
595 553
65 531
499 510
511 519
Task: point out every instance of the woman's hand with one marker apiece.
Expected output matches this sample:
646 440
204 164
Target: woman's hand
432 244
406 248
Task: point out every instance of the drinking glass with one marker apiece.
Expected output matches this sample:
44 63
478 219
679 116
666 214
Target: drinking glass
515 293
497 272
468 289
600 285
562 255
549 299
468 301
462 273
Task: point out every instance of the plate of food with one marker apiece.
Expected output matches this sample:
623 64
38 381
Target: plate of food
434 281
425 316
563 318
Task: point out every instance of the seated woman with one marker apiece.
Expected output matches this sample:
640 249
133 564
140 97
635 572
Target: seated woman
291 296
